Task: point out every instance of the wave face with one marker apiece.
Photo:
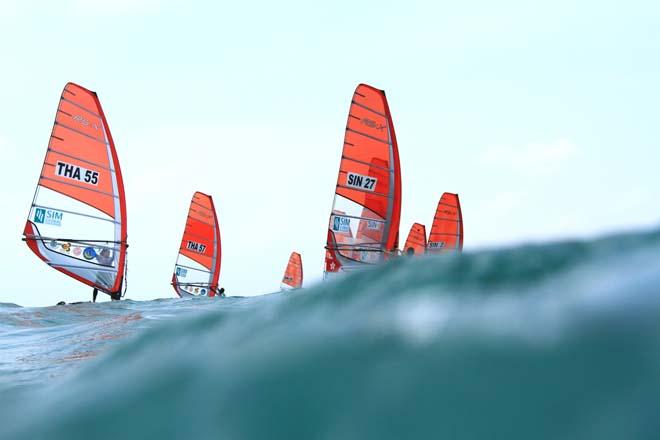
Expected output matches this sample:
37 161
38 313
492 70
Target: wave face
557 341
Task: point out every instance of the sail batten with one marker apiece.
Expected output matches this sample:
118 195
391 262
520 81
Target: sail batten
197 267
364 221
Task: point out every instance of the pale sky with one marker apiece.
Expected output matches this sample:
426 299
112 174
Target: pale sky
543 117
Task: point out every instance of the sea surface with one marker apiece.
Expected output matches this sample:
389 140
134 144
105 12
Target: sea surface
553 341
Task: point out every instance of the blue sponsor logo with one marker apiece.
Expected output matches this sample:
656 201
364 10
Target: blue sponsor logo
181 272
203 291
48 217
341 224
89 253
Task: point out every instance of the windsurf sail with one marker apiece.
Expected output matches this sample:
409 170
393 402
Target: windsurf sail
364 221
197 267
447 230
77 220
416 241
293 274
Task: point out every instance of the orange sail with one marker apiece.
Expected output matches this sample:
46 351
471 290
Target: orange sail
293 275
447 230
416 241
364 222
197 267
77 221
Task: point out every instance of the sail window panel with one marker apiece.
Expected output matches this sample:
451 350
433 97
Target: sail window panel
192 277
354 227
103 276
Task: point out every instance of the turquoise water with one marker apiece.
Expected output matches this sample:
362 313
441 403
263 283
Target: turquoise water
556 341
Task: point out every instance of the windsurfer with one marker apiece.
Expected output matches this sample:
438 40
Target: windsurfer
105 257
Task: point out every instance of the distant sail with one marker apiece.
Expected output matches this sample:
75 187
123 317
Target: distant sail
293 275
447 230
416 241
77 221
364 222
197 266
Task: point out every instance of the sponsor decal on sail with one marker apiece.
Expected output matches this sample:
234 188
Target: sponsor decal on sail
373 124
341 224
89 253
48 216
374 225
84 121
181 272
359 181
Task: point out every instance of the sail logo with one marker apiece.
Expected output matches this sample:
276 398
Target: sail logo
181 272
89 253
197 247
75 172
374 225
359 181
84 121
341 224
372 124
48 217
436 244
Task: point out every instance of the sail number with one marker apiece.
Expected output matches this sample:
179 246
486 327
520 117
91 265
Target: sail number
361 182
75 172
197 247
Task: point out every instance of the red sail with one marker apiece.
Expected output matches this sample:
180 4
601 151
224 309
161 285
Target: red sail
197 266
416 241
364 222
77 221
293 275
447 230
